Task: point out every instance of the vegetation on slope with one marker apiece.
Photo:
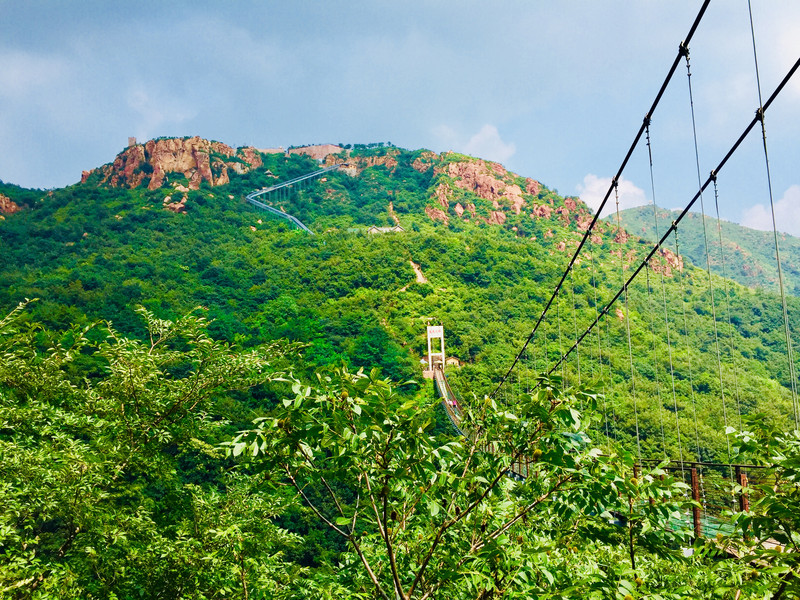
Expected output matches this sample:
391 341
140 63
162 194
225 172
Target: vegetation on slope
491 245
747 256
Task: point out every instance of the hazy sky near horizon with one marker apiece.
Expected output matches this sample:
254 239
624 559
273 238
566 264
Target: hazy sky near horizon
553 90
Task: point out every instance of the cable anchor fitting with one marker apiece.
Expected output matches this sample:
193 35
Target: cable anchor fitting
683 49
713 175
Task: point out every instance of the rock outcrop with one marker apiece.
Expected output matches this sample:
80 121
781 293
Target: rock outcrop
8 206
194 158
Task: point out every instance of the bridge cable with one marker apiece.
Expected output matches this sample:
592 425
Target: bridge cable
614 420
747 130
634 144
560 346
728 307
760 116
664 299
655 360
708 257
622 236
575 322
599 348
688 345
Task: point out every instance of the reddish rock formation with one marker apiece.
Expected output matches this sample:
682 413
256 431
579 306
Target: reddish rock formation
441 194
622 236
541 211
424 161
583 220
496 217
318 151
665 262
194 158
355 165
532 186
437 214
459 209
8 206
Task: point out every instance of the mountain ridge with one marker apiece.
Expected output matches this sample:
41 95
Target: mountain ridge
749 254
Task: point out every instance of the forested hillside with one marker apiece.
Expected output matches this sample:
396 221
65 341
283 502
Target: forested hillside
747 257
479 252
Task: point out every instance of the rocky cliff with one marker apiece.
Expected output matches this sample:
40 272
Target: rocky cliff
7 205
194 158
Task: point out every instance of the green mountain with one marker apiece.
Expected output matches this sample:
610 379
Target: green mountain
114 403
166 226
747 256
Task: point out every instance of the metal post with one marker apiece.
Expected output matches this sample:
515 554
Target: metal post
698 526
744 500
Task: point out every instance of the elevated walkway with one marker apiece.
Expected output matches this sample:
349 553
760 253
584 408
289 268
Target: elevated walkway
264 192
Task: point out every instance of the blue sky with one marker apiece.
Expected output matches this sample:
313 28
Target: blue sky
553 90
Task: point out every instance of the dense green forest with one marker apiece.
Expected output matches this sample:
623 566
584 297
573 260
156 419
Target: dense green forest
748 255
157 335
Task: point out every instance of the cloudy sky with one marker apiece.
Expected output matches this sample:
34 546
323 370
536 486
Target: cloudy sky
553 90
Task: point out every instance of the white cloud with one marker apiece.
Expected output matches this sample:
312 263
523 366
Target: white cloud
594 188
486 143
787 214
26 73
156 110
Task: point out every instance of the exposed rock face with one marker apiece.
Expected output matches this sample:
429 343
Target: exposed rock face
355 165
541 211
665 262
479 177
317 152
424 161
8 206
496 217
437 214
195 158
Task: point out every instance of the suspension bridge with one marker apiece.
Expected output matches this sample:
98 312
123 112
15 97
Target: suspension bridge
716 485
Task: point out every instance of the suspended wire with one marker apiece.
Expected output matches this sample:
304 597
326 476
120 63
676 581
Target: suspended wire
560 345
664 299
760 116
575 322
708 258
659 244
621 236
688 347
616 178
728 306
613 406
599 348
655 361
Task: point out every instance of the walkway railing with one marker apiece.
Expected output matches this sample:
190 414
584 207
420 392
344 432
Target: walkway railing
718 489
251 197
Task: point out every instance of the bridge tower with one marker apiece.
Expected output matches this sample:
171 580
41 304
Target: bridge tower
436 359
